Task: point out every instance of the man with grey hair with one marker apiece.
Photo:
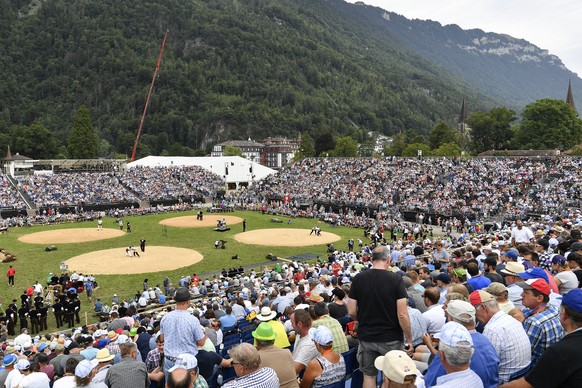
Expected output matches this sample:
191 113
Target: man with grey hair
455 351
246 362
378 301
130 372
484 362
506 334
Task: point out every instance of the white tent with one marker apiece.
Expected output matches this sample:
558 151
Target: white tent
233 168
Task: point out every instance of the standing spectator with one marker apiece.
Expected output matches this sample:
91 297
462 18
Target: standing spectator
520 234
246 362
182 331
378 301
455 350
8 363
280 360
506 334
10 273
129 372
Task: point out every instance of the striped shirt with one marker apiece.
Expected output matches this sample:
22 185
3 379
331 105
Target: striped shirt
340 343
261 378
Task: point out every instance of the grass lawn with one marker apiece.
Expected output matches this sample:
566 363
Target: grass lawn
33 263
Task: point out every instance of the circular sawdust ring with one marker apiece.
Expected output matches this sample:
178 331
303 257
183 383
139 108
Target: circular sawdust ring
69 236
114 261
285 237
208 220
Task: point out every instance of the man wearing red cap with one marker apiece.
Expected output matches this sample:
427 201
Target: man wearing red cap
542 323
560 365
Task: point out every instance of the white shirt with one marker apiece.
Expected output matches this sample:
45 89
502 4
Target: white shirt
522 235
65 382
35 380
13 378
514 295
435 317
511 342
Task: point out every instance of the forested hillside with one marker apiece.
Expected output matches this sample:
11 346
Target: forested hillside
232 69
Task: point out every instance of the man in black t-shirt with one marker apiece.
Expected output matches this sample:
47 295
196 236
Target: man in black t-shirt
560 365
378 301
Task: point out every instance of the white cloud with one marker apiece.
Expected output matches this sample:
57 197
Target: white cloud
552 25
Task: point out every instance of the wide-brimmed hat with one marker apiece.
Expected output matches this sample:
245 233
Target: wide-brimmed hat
266 314
103 355
316 298
112 335
264 332
513 268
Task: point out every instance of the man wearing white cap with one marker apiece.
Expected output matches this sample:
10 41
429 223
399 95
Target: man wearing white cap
455 351
184 373
397 368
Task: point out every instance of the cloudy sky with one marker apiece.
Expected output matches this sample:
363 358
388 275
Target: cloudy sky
554 25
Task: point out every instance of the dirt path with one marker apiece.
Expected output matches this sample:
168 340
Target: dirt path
285 237
192 222
114 261
66 236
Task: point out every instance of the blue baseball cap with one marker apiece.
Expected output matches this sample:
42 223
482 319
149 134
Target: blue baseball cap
535 273
511 254
573 299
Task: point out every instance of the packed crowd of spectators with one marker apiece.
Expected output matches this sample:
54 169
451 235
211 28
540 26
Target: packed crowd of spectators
483 187
162 183
65 189
9 195
294 325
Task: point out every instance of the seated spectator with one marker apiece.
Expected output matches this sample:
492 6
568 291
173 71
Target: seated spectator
280 360
246 362
329 367
340 343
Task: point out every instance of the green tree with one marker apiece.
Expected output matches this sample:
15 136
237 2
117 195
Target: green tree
447 149
324 143
232 151
306 147
491 130
549 124
442 134
412 149
83 141
345 146
35 141
397 147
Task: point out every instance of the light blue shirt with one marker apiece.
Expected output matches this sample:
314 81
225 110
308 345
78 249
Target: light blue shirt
181 332
466 378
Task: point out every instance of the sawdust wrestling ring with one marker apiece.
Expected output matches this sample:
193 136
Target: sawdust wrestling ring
208 220
68 236
114 261
285 237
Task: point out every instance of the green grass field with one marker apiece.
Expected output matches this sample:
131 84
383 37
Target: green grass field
33 263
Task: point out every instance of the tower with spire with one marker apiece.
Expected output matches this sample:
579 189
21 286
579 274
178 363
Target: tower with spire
570 97
462 126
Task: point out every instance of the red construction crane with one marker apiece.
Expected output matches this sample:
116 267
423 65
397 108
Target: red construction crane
145 108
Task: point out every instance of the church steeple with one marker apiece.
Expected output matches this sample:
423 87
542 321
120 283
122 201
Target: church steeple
464 114
8 154
570 97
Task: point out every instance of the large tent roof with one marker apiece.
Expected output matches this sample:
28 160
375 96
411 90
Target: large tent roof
239 169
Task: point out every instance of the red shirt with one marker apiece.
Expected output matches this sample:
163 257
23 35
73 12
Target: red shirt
10 272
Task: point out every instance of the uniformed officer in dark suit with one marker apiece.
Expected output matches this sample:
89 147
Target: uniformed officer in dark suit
58 311
11 319
43 310
69 307
23 315
34 324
